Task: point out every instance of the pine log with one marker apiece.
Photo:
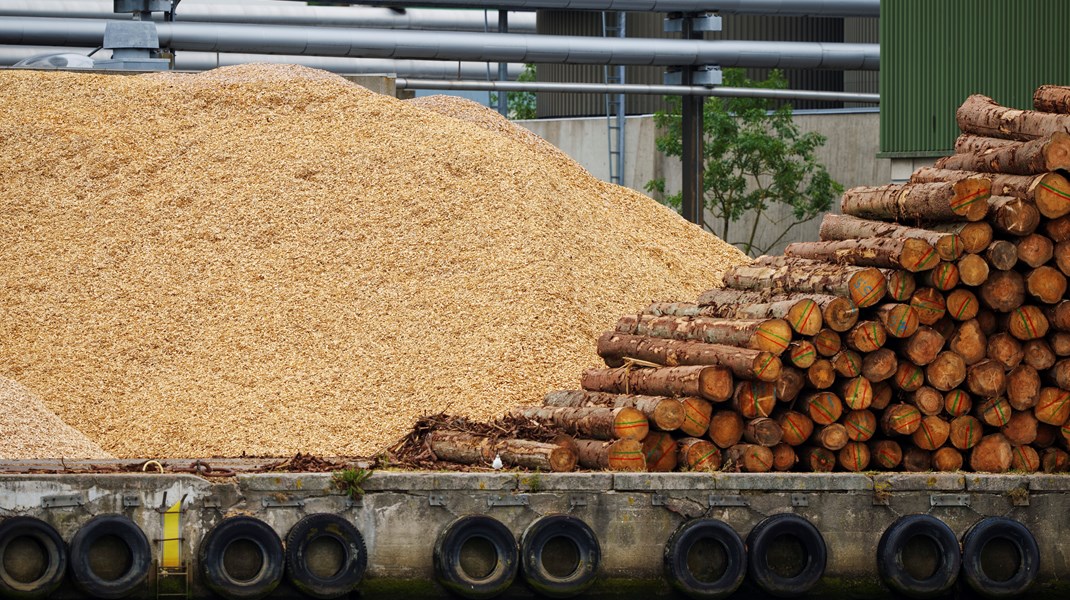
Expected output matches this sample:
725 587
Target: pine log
754 399
900 320
1025 459
879 365
969 342
975 235
1061 253
857 393
713 383
827 342
663 413
946 372
863 285
838 313
1004 291
1002 255
1059 316
995 155
962 304
929 304
823 408
817 459
966 432
784 457
854 457
931 434
1013 216
986 379
1060 343
1034 249
1052 99
923 347
660 452
722 296
911 254
698 455
866 336
886 454
1023 387
964 200
1055 460
697 414
750 458
1021 428
928 401
1046 435
988 321
1005 349
763 431
795 427
802 314
973 270
802 354
981 115
946 326
726 428
916 460
1027 322
848 363
821 375
614 455
900 419
909 377
466 448
861 425
831 437
771 335
1060 374
991 455
947 459
1050 192
1038 354
995 412
943 277
744 363
597 422
900 284
1058 230
957 403
789 384
948 246
1053 406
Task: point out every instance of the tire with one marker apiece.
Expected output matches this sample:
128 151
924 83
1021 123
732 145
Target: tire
679 571
312 529
82 549
1000 528
451 573
762 539
890 564
53 550
556 583
264 541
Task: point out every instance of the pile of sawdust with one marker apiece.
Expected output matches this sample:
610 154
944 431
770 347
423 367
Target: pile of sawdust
29 430
269 259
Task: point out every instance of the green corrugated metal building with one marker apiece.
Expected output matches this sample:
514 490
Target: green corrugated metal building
935 53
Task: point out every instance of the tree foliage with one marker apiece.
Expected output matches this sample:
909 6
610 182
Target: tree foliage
519 105
754 158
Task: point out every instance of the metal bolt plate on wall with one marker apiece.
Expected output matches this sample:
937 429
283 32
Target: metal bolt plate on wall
728 500
512 500
949 500
62 501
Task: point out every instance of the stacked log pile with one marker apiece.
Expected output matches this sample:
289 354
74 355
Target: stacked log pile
928 329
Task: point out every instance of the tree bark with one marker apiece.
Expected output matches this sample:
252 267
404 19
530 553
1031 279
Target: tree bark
964 200
802 354
929 304
886 454
821 375
663 413
863 285
957 403
1053 406
754 399
1013 216
750 458
660 451
966 432
991 455
900 284
931 434
697 414
946 372
1049 191
848 363
827 342
726 428
834 227
466 448
879 365
1052 98
854 457
911 254
795 427
867 336
1002 255
981 115
861 425
1023 387
763 431
995 155
962 304
1004 291
614 455
900 320
802 314
698 455
823 408
923 347
1035 249
947 459
770 335
712 383
943 277
969 342
973 270
744 363
975 235
909 377
597 422
789 384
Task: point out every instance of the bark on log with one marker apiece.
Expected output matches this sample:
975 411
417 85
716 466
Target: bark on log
823 408
1002 255
913 255
1020 429
770 335
1005 349
660 452
857 393
964 200
698 455
981 115
697 413
744 363
900 320
861 425
909 377
973 270
784 457
802 354
966 432
863 285
867 336
923 347
969 342
995 155
1013 216
1025 459
928 401
750 458
1049 191
948 246
854 457
713 383
663 413
848 363
931 434
614 455
1023 387
726 428
995 412
727 296
986 379
763 431
817 459
466 448
947 459
957 403
946 372
929 304
831 437
991 455
754 399
900 284
1053 406
789 384
801 313
886 454
943 277
1003 291
795 427
916 460
962 304
975 235
879 365
821 375
596 422
1052 98
827 342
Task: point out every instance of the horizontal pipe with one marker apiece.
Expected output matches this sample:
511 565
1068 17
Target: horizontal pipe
630 88
787 8
281 13
482 47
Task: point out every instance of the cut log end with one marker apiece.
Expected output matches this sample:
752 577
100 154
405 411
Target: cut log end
970 199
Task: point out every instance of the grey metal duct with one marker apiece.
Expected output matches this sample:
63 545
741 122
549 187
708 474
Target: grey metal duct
281 13
482 47
202 61
785 8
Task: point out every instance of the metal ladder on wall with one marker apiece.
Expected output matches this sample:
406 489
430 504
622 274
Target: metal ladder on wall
614 24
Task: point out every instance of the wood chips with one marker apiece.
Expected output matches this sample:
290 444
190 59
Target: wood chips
266 260
29 430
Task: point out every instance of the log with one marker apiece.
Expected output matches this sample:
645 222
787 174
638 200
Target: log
697 413
848 363
744 363
663 413
754 399
1058 230
784 457
879 365
944 276
923 347
1035 250
827 342
1025 459
909 377
946 372
900 284
973 270
838 313
817 459
1046 435
1055 460
1013 216
863 285
961 304
726 428
929 401
802 314
995 155
1052 98
698 455
854 457
957 403
929 304
1021 428
821 375
834 309
831 437
802 354
713 383
899 320
1061 253
916 460
721 296
795 427
466 448
886 454
1038 354
1003 291
932 433
986 379
763 431
1053 406
1027 322
882 395
1005 349
823 408
789 384
1060 374
1023 387
900 419
975 235
991 455
770 335
596 422
614 455
861 425
1059 316
866 336
856 393
963 200
750 458
1002 255
966 432
969 342
660 452
995 412
948 246
981 115
914 255
947 459
946 326
1050 192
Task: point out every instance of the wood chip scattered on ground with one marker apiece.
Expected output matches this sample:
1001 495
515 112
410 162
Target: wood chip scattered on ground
29 430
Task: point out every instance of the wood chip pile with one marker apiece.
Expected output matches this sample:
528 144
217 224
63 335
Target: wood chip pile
929 329
29 430
268 259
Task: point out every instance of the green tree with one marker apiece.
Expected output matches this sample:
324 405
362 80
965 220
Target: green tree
520 105
755 157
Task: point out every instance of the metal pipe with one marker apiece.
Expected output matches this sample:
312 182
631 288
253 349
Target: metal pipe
484 47
634 88
792 8
276 13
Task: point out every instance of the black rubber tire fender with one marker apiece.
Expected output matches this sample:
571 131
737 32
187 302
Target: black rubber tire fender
447 557
762 538
214 547
1000 528
533 542
325 526
677 551
890 564
53 548
127 532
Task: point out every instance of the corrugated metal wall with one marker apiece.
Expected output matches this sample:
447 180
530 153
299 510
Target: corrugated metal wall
650 25
935 54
